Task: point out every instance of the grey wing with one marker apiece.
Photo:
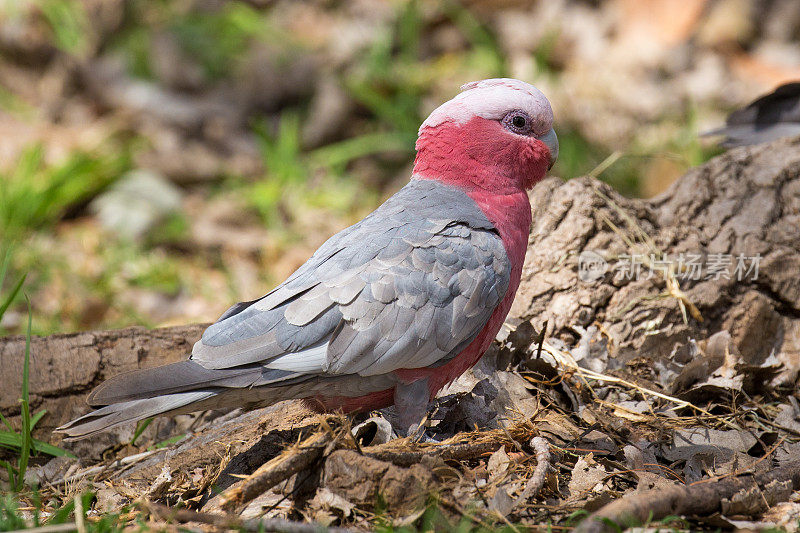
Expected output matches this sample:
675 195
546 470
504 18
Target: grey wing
767 118
424 309
401 289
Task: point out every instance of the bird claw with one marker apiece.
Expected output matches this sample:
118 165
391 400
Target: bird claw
417 433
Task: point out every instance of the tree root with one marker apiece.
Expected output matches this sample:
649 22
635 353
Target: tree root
701 498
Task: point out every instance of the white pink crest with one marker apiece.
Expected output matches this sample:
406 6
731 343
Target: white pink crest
492 99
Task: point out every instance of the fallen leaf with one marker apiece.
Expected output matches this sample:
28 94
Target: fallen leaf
587 476
327 500
498 464
719 443
501 503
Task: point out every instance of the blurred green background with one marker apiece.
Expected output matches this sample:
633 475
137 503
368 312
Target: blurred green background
163 159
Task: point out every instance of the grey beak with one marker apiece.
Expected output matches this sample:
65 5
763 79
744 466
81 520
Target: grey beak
551 141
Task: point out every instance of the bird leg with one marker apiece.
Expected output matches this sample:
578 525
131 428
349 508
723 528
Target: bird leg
411 405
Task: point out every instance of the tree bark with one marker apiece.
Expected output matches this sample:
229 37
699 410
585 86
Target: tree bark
700 499
66 366
745 203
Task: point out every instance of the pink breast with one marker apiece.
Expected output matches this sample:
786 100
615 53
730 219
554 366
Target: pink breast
511 215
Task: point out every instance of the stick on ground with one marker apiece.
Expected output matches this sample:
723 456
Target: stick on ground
282 467
702 498
456 452
536 482
232 522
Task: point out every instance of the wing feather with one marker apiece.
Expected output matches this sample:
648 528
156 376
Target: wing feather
406 287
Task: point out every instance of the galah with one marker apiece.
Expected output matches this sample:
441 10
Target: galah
767 118
389 310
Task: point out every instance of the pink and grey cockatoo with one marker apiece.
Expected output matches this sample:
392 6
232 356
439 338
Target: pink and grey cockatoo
391 309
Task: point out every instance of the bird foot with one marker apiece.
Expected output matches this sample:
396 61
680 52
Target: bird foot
417 433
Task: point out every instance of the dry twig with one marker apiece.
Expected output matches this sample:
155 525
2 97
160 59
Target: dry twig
117 466
459 448
699 499
290 462
232 522
536 482
455 452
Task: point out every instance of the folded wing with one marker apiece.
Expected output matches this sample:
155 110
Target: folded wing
409 286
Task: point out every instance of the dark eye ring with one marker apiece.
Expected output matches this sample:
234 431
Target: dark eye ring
518 122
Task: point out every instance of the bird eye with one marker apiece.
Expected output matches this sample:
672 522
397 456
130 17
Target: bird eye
518 122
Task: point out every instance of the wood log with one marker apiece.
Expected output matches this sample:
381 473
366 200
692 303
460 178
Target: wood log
66 366
744 203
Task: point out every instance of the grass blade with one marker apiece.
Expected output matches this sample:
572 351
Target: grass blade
38 416
12 479
4 268
14 292
13 441
140 427
343 152
6 422
27 444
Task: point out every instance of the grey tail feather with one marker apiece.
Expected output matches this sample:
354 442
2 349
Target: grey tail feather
132 411
177 388
124 412
184 376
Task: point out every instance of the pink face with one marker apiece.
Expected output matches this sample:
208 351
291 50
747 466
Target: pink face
496 135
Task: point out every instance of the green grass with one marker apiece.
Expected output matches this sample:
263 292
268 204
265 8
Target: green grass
14 105
68 23
12 518
316 178
16 472
218 39
215 39
284 163
35 194
389 84
134 45
580 157
393 78
384 83
485 54
22 443
544 55
7 299
140 427
686 144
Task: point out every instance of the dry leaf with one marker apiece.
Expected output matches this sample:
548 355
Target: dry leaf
498 464
587 476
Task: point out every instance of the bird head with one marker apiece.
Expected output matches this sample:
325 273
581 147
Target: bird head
495 135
